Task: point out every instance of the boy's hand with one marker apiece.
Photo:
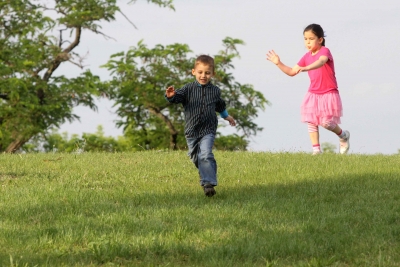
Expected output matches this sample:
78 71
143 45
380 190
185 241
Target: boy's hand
170 92
231 120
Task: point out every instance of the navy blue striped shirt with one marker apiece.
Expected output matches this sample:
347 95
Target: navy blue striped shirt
200 102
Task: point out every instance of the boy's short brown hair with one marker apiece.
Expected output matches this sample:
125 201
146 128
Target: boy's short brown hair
206 60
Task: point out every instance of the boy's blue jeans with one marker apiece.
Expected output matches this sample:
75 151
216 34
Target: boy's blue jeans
200 153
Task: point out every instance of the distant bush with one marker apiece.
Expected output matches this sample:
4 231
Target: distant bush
328 147
98 142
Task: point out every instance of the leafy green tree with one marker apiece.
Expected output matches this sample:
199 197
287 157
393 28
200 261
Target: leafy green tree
87 142
32 98
98 142
140 77
231 142
328 147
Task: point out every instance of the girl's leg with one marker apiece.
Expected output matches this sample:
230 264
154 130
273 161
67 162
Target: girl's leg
344 136
314 137
333 127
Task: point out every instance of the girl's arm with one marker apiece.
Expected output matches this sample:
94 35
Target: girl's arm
317 64
274 58
288 70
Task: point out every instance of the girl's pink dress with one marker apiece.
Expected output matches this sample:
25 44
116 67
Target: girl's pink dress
320 108
322 102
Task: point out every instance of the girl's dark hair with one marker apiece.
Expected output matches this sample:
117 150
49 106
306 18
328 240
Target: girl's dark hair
317 30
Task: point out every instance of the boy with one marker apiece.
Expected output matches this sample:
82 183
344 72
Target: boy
200 100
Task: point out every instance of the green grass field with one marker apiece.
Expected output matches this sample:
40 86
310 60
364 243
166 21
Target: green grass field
147 209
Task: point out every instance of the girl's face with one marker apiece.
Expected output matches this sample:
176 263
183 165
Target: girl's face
312 42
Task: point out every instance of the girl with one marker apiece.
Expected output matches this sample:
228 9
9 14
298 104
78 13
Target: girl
322 104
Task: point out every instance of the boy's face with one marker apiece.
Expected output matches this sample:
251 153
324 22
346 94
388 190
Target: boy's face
203 73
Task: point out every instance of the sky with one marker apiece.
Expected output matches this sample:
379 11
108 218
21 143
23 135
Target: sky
362 36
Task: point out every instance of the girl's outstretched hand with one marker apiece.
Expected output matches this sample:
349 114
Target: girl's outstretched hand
231 120
170 92
273 57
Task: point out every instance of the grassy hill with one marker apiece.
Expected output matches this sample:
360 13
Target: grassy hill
147 209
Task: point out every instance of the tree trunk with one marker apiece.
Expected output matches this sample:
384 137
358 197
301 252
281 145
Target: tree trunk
172 130
172 141
15 145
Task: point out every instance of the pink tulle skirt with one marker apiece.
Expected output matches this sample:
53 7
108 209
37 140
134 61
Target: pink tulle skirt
320 108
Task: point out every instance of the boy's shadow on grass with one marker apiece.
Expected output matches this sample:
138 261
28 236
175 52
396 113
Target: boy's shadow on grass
9 176
346 216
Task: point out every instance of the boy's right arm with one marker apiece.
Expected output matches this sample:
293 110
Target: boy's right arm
170 92
173 96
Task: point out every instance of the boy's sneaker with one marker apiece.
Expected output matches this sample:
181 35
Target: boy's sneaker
316 153
209 190
344 143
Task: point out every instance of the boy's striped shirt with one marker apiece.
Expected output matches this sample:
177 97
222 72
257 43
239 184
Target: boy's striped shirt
200 102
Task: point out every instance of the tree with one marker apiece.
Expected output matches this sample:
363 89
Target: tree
328 147
232 142
141 75
32 98
87 142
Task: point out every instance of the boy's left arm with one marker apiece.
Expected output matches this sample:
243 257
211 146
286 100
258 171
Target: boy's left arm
231 120
221 108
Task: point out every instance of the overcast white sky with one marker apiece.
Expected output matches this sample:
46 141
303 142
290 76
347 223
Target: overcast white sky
363 37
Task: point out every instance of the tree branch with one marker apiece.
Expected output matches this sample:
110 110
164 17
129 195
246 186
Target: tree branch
128 19
61 39
75 43
76 64
63 56
99 32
